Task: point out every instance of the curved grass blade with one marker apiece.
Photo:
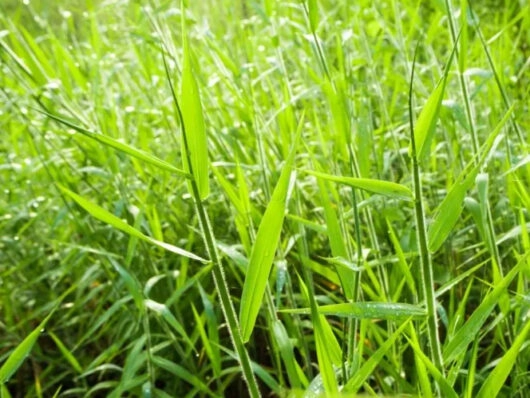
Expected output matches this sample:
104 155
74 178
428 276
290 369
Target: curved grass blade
109 218
193 119
119 146
262 254
387 188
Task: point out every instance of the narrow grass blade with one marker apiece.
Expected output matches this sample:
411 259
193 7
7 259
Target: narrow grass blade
469 331
445 387
109 218
67 354
182 373
119 146
387 188
193 118
262 254
425 125
21 352
286 349
367 310
496 379
165 313
369 366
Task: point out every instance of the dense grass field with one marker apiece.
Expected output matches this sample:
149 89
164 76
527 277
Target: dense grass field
299 198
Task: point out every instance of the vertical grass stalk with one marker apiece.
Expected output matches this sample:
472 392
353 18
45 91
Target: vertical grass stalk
218 273
426 270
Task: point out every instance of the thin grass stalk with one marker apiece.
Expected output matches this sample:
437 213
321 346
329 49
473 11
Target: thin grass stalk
426 269
218 272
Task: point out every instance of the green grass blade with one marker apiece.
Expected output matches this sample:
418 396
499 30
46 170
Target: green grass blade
119 146
109 218
387 188
449 210
21 352
367 369
312 9
367 310
193 118
469 331
497 378
262 254
426 122
445 387
67 354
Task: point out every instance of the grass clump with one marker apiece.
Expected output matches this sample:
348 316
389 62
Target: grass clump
298 198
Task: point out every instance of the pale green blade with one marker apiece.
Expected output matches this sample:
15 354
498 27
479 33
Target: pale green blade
262 254
119 146
497 378
387 188
109 218
194 128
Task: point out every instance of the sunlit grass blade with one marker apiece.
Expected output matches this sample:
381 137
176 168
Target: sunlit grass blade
497 378
264 249
192 114
387 188
109 218
468 332
428 117
119 146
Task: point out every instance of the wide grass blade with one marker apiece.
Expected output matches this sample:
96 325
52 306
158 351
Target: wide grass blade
264 248
387 188
193 118
119 146
469 331
109 218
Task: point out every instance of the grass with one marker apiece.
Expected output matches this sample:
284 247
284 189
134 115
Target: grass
262 198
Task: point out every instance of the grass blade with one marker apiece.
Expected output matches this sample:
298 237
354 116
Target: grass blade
469 331
22 351
119 146
109 218
193 119
497 378
262 254
387 188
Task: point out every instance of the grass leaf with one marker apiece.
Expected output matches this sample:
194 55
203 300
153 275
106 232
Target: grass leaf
263 250
387 188
109 218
